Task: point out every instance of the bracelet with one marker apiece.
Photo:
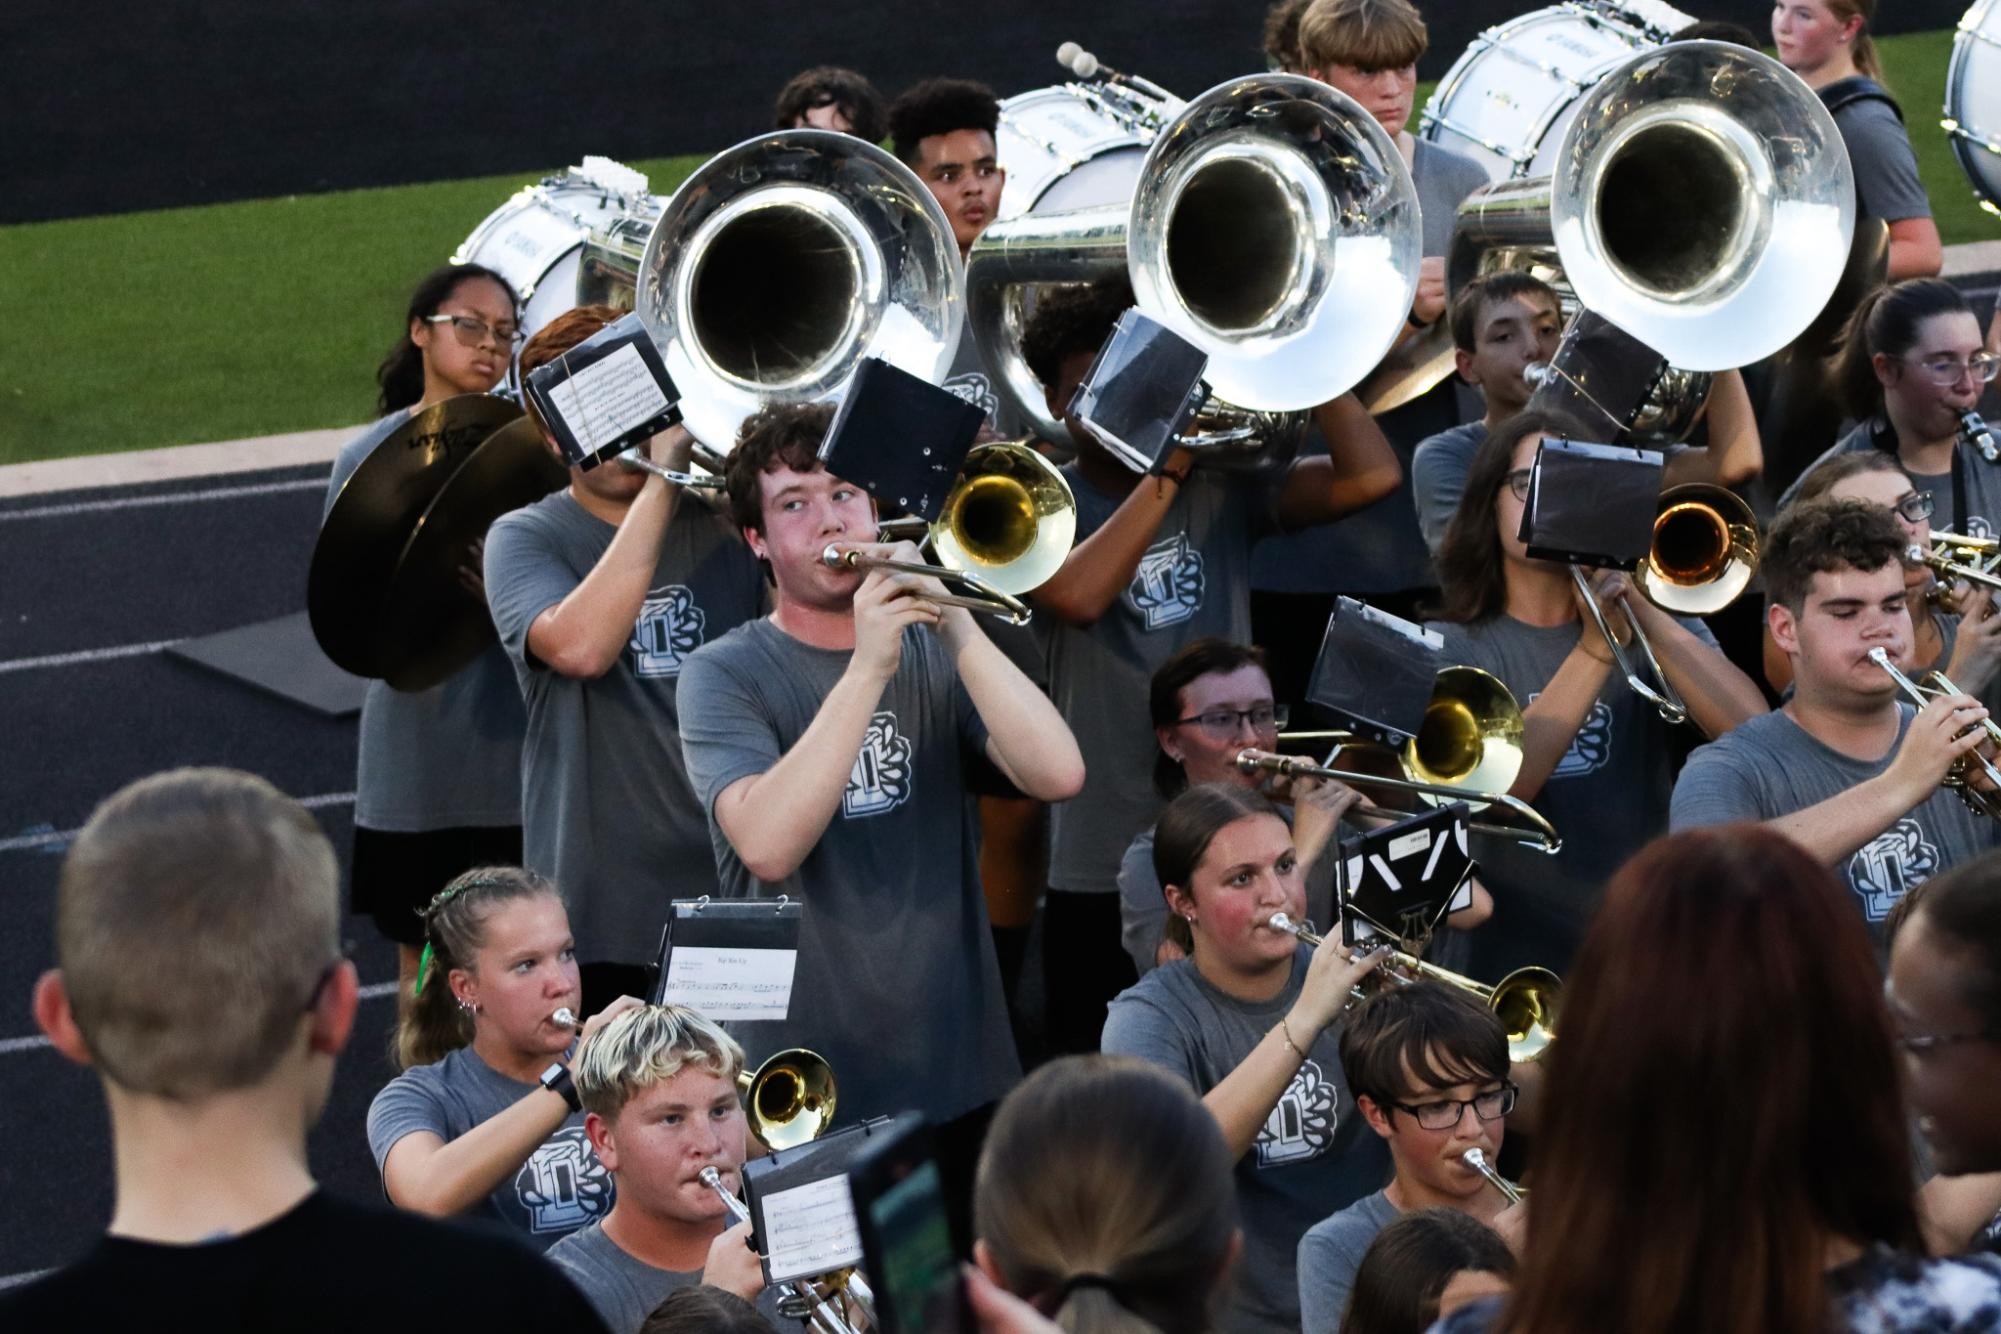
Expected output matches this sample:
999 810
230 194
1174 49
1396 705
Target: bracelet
1285 1033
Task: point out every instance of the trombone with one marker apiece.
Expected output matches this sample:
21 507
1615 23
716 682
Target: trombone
1006 527
1540 833
1526 1001
1960 777
1704 551
812 1302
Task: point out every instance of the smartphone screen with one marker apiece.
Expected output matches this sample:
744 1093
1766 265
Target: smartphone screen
917 1274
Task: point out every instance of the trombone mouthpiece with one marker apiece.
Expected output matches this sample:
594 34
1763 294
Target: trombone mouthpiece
564 1016
1280 922
1538 374
1881 657
711 1177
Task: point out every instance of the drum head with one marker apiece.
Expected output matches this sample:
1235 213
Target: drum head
1061 152
1973 100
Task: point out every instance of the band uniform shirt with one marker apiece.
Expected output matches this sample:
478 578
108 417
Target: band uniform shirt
1606 797
1438 477
607 810
561 1187
1193 581
1982 503
1331 1252
896 982
444 758
1771 766
1887 184
1378 549
1314 1153
969 378
325 1266
1143 904
624 1289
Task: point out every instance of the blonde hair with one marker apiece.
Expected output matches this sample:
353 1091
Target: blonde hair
195 913
648 1046
1368 35
433 1026
1863 50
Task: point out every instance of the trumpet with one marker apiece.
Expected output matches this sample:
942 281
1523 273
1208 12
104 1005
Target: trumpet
1968 767
1477 1160
1526 1001
813 1302
1957 558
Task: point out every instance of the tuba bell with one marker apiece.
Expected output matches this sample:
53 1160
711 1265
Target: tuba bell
1274 226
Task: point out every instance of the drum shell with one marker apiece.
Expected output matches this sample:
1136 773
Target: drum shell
1973 100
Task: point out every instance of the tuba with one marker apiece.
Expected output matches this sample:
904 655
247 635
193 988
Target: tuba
785 261
1274 226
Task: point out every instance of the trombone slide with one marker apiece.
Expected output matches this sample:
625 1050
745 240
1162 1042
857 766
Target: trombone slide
1539 834
1667 701
980 595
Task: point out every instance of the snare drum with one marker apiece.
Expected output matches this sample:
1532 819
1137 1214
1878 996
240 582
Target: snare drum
1073 146
1506 102
1973 101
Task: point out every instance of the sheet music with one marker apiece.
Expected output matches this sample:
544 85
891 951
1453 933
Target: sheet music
811 1230
730 983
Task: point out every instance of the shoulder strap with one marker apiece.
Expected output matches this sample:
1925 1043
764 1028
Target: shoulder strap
1857 88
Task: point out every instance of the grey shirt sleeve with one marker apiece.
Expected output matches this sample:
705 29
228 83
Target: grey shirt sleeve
524 578
1886 168
1142 906
1329 1255
1135 1026
407 1104
1714 788
724 733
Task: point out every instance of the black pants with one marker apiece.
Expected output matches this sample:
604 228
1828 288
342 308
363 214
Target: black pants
1083 967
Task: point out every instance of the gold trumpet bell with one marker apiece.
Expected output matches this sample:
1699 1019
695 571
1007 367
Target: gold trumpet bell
1705 550
1471 736
790 1099
1526 1002
1010 519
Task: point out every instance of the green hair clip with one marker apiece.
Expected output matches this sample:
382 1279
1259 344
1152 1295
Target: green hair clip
423 971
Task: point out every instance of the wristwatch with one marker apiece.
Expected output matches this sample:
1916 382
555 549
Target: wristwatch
557 1079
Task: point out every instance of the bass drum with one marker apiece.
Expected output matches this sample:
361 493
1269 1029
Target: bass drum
1506 102
1074 146
1973 101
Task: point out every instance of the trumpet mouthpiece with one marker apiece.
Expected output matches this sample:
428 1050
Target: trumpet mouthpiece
1280 922
564 1016
711 1177
1474 1159
1879 656
1915 554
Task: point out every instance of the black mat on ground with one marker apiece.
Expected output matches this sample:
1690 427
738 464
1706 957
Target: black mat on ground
281 657
138 106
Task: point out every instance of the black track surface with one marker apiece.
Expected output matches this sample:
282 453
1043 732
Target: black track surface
123 106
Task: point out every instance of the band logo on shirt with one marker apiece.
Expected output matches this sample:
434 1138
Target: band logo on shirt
1167 588
880 780
1890 866
1301 1126
563 1186
1978 527
974 387
669 628
1591 747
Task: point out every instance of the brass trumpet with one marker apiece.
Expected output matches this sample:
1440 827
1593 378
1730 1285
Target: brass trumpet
1526 1001
1960 777
1477 1160
1956 558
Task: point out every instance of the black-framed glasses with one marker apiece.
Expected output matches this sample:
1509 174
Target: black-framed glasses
1518 482
1946 371
1225 722
1916 506
1924 1044
1445 1114
472 330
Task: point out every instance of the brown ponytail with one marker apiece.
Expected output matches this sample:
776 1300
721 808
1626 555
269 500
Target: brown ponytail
1886 321
454 928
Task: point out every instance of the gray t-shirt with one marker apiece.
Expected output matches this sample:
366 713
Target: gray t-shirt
1379 549
1143 904
894 940
444 758
1982 507
1330 1253
559 1189
624 1289
1886 169
1607 796
607 808
969 378
1771 766
1192 582
1315 1153
1438 477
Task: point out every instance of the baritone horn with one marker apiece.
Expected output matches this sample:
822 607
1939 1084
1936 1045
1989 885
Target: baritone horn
1006 526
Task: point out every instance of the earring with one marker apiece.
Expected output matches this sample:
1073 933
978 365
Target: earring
468 1007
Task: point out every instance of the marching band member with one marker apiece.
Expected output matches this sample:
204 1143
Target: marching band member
1846 767
829 743
1969 644
439 785
600 592
659 1090
1160 561
1597 756
828 97
1828 44
1211 701
1281 37
485 1114
1251 1021
1912 362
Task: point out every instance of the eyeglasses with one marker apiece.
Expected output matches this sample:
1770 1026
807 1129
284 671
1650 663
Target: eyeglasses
1445 1115
1518 482
1947 371
1924 1044
1916 507
472 331
1225 722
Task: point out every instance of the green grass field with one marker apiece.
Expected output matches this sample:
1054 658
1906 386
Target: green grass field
247 319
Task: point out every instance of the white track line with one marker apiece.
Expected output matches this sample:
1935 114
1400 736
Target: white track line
16 1280
36 1042
57 837
172 498
84 656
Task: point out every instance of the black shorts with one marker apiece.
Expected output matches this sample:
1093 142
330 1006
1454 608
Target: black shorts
395 875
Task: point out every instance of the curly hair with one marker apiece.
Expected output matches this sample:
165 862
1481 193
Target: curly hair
1824 535
940 106
1069 320
1282 36
785 436
848 92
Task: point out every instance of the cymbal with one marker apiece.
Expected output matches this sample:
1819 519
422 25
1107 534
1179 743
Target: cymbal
433 625
371 519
